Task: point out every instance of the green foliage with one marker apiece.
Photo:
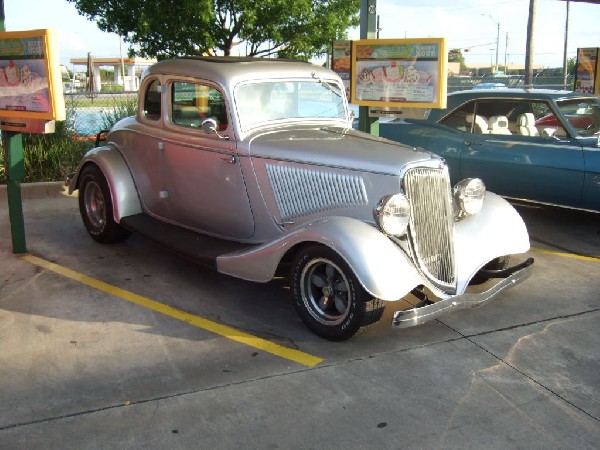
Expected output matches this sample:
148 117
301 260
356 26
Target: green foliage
111 87
123 109
168 28
49 157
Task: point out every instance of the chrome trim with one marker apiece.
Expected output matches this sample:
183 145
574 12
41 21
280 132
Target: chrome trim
431 225
299 192
417 316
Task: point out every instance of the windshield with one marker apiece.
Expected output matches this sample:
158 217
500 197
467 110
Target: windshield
280 100
583 114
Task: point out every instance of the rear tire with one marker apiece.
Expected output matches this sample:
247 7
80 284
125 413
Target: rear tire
328 297
96 209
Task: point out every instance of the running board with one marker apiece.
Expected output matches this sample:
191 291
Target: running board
198 247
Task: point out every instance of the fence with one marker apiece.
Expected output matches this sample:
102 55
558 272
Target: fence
90 112
512 81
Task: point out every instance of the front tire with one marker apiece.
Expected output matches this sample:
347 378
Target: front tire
328 296
96 209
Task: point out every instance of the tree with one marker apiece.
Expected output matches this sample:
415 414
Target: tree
168 28
455 55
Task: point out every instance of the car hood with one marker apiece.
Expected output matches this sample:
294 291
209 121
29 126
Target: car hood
334 146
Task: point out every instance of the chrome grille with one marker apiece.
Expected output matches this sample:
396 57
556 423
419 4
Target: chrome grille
431 224
299 191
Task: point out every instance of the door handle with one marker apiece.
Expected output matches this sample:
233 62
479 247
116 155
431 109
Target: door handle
230 159
472 143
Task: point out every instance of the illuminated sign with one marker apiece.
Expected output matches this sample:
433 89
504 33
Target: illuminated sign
401 73
30 80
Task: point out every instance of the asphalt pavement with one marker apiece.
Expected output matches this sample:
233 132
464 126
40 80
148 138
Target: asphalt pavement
129 346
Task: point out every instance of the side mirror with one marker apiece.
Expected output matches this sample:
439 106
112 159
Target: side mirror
209 126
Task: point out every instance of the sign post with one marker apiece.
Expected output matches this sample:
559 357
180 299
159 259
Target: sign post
30 101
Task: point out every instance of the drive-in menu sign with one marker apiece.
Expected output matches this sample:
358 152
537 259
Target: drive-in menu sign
30 84
399 73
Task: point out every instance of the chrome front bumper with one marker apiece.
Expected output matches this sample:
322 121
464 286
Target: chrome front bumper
417 316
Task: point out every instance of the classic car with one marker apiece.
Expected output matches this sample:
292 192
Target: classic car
534 145
251 166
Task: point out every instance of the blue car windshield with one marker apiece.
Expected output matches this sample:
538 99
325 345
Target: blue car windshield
583 114
260 102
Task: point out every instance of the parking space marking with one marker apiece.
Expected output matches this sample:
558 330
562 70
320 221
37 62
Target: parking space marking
567 255
208 325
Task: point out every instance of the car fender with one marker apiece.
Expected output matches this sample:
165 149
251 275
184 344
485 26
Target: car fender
122 188
380 265
497 230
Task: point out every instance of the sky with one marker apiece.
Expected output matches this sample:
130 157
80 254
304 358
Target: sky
466 24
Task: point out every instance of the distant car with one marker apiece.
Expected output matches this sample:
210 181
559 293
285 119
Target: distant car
490 86
536 145
249 166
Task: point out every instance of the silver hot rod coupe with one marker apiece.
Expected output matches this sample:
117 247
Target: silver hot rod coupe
247 165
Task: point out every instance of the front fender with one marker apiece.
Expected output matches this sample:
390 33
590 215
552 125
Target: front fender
122 188
380 265
497 230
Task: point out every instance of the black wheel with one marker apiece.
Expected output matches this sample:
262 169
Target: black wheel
95 207
328 297
495 264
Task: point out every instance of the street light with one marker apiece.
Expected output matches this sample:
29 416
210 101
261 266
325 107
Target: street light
497 39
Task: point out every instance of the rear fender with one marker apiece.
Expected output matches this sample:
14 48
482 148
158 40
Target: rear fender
381 266
122 188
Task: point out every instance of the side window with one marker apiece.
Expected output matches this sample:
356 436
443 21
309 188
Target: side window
192 103
461 119
152 108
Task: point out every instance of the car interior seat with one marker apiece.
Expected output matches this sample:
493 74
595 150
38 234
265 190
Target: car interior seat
498 125
478 124
527 125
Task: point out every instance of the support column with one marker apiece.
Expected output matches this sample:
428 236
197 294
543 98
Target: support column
368 30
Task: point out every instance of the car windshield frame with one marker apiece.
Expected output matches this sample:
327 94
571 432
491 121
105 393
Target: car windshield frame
261 102
582 114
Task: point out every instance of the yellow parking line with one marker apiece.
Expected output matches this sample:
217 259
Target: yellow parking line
205 324
567 255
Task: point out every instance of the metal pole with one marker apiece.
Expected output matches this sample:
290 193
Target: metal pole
368 30
506 50
565 50
529 48
497 46
12 144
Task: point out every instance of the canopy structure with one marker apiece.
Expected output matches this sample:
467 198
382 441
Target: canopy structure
124 69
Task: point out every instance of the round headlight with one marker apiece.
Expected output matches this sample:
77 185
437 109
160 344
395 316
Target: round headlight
469 195
393 213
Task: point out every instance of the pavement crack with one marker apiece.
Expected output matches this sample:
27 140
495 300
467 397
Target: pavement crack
517 369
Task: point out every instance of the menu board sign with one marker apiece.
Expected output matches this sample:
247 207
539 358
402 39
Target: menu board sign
587 76
407 73
30 82
341 63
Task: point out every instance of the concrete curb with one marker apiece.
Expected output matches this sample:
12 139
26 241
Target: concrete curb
30 191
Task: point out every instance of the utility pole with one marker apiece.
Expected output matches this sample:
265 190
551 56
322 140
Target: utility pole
529 48
565 50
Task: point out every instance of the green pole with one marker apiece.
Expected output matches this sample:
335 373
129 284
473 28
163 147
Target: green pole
12 144
368 30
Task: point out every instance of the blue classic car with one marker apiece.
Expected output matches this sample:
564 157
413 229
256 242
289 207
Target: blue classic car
536 145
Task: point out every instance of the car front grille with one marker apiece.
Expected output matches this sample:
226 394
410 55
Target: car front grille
431 224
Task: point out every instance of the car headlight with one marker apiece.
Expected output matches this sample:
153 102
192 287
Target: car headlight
392 214
469 195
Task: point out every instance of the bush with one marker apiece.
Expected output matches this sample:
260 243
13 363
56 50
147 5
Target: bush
123 109
49 157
